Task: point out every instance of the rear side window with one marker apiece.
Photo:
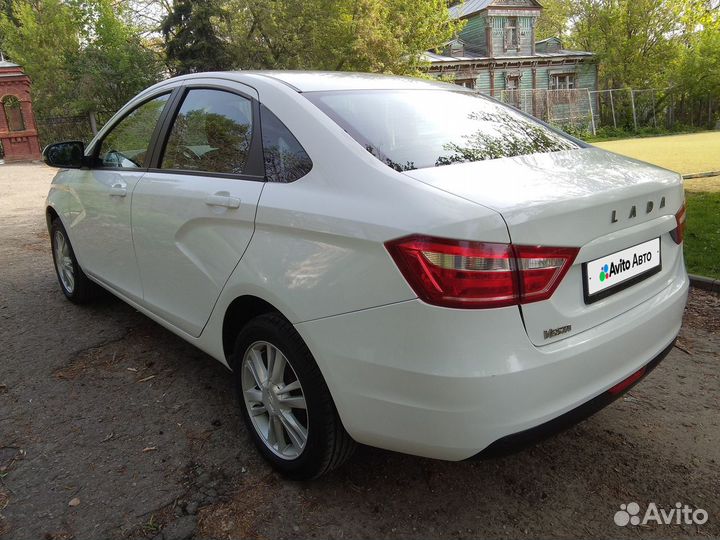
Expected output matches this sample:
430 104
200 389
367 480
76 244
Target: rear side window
415 129
211 133
285 159
126 144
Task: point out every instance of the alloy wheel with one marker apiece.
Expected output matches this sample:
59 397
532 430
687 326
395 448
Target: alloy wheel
63 262
274 400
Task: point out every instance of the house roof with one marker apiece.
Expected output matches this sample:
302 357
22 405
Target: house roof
546 40
6 64
471 51
434 58
470 7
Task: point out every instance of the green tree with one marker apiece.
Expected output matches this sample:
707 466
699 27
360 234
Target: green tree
6 7
637 42
6 10
44 38
192 43
554 21
352 35
115 63
81 55
632 38
696 76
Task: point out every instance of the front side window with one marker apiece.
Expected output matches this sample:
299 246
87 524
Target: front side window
415 129
211 133
127 143
285 159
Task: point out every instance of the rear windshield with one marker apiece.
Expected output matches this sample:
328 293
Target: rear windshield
415 129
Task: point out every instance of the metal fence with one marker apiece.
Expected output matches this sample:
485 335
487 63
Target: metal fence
627 109
68 128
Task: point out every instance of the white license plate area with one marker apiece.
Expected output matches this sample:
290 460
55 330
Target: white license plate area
617 271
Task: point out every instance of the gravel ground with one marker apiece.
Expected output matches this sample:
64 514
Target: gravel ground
112 427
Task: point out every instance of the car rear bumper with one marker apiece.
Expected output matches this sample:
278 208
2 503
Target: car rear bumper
518 441
448 384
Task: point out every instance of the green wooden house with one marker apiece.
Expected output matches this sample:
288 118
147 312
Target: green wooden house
497 53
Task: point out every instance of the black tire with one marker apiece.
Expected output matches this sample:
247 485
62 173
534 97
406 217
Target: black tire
328 445
83 289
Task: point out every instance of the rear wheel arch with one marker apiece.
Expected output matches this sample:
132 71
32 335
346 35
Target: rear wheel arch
240 312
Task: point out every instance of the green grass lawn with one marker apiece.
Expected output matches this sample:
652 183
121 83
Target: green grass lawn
702 236
686 154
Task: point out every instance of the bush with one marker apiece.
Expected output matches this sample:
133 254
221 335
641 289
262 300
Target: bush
607 133
579 132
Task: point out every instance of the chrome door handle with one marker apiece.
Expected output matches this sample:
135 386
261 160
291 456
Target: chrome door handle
118 190
222 198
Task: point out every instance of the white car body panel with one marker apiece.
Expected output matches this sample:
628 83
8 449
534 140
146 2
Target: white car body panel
332 257
186 249
405 375
98 221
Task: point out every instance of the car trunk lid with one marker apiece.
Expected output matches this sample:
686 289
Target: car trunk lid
590 199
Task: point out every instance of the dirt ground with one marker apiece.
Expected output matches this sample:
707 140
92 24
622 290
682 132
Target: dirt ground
112 427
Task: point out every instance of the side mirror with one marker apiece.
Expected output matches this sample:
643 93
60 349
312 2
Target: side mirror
65 155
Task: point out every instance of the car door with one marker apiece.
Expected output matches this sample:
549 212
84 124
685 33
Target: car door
193 213
101 230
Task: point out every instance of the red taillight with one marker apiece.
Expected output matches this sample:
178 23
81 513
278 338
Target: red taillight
678 234
457 273
465 274
626 383
541 270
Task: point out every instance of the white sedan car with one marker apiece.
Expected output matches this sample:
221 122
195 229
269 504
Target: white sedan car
382 260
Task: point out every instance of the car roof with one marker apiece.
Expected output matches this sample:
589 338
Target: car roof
323 81
308 81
